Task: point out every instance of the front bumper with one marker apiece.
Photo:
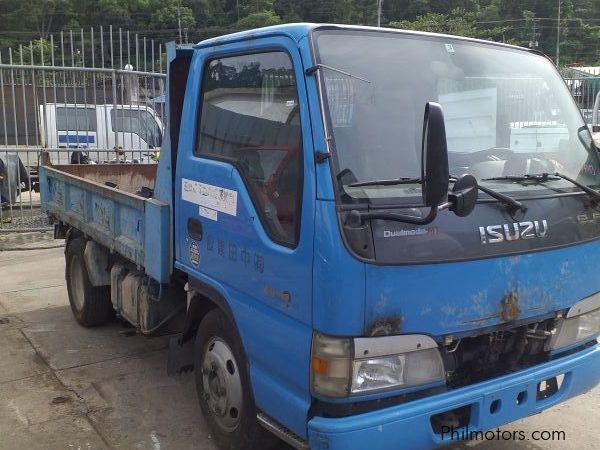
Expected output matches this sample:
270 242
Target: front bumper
409 425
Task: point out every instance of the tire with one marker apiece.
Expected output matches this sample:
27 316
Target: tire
223 387
91 305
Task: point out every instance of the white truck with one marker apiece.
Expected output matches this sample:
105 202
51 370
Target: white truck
67 130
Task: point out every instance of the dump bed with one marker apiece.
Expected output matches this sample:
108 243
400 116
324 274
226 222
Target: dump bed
107 203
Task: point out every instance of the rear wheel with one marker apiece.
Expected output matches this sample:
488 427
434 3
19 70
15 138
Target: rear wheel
223 387
90 305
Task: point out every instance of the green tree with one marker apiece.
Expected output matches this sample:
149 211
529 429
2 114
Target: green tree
511 21
259 19
168 17
40 16
38 52
255 6
457 22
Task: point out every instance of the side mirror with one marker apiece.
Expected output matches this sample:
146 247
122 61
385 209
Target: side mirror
434 157
435 179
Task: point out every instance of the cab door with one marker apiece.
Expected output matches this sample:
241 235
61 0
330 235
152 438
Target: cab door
245 199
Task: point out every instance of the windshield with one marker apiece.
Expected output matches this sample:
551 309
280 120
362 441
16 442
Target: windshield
507 112
139 122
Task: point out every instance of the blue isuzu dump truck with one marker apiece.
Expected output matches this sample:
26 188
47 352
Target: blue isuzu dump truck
361 238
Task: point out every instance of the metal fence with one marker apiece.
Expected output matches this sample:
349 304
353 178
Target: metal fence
586 92
92 97
584 84
96 97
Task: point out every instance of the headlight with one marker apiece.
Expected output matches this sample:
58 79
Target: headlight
576 329
344 366
582 322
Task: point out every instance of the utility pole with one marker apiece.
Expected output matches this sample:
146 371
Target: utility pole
379 5
179 20
558 36
533 43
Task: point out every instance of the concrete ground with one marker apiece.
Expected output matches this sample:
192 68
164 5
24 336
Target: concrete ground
66 387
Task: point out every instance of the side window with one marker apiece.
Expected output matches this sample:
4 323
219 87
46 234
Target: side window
75 119
250 116
138 122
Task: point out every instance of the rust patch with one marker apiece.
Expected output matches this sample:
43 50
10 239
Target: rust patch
284 296
385 326
510 307
127 177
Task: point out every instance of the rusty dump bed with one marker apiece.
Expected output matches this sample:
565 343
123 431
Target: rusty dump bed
102 201
126 177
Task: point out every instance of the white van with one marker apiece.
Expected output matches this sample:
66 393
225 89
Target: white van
136 129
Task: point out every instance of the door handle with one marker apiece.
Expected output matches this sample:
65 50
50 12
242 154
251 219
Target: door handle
194 227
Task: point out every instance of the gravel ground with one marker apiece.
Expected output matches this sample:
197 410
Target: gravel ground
25 214
23 219
28 241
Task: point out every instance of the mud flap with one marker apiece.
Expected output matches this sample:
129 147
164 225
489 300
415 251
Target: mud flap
181 356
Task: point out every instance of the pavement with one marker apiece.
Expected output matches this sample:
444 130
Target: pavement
67 387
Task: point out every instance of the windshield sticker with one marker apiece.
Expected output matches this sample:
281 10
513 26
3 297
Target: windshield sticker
449 48
194 254
208 213
213 197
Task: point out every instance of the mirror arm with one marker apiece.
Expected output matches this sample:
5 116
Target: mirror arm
355 217
430 217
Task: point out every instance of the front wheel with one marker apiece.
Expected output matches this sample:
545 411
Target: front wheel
223 387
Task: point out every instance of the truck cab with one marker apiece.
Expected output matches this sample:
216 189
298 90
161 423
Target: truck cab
380 238
357 324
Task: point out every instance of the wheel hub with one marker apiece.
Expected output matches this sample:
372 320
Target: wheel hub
222 384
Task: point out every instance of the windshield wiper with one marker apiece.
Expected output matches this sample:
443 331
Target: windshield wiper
318 66
392 182
536 178
544 177
502 198
594 195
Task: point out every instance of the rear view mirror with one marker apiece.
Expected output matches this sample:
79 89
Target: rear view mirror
434 157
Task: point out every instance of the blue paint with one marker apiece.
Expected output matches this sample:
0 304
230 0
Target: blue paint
117 220
331 291
543 281
339 295
269 266
409 426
